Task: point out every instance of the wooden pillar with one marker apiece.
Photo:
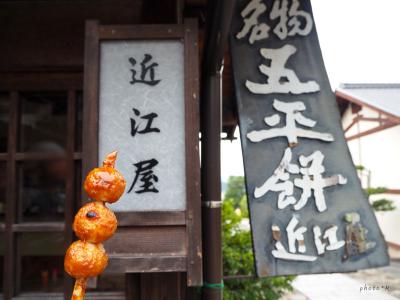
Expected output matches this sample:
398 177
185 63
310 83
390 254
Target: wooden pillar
211 188
219 20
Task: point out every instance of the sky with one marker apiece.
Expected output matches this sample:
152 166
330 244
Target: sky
360 42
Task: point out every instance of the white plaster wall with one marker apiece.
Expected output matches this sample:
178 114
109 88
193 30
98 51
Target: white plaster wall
379 153
389 221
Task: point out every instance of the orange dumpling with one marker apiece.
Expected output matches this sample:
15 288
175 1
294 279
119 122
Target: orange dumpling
84 259
94 222
105 183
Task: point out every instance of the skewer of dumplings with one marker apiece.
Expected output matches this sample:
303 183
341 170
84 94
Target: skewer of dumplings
93 224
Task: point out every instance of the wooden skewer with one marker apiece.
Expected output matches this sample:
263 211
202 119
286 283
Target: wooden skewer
79 289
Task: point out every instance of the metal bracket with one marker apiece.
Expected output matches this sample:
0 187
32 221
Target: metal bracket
212 204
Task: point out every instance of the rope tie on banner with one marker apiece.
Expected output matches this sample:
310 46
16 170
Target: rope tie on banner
215 286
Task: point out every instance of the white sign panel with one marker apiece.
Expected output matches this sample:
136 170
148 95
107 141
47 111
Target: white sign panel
142 116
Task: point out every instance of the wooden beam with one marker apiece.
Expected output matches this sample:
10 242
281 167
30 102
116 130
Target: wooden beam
359 118
379 120
144 32
43 81
354 122
39 227
151 218
371 131
392 191
136 264
35 156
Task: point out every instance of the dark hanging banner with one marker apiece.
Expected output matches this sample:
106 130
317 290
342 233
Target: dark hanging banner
308 211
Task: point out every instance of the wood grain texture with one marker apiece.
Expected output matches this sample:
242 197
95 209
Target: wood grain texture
153 218
152 241
9 263
164 286
192 120
140 32
91 100
162 239
42 81
136 264
57 40
39 227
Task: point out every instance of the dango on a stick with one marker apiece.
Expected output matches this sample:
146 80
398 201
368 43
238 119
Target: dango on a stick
93 224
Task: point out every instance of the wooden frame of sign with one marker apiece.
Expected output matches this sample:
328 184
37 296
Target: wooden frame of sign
151 241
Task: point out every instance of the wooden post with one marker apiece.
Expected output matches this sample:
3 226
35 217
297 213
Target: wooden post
219 20
10 283
211 187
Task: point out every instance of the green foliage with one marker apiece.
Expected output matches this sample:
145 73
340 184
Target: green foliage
383 205
235 190
238 253
360 168
237 248
378 190
243 206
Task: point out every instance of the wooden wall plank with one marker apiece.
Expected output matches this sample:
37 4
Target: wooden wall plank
151 218
165 286
136 264
166 240
51 33
42 81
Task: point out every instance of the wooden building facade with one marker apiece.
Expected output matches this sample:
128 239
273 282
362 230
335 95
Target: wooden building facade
41 146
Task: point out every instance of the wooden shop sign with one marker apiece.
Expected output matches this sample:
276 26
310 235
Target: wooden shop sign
308 211
141 99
